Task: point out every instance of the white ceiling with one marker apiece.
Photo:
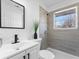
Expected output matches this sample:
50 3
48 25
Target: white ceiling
51 5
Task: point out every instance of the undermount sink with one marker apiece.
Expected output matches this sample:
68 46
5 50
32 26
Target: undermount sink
18 46
21 45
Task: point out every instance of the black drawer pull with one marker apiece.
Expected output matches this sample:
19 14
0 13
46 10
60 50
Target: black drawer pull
28 56
24 57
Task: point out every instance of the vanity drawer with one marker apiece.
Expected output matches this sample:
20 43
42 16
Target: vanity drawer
32 49
18 56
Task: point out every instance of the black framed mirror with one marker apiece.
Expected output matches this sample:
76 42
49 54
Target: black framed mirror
12 15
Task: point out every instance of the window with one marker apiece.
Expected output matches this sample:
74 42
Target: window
66 19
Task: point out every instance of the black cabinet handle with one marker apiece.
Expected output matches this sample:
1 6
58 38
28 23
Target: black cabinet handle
28 56
24 57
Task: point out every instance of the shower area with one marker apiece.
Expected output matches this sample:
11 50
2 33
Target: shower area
43 28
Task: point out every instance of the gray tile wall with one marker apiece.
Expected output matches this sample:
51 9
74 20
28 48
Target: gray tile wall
65 40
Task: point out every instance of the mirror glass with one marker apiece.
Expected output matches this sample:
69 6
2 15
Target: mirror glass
12 14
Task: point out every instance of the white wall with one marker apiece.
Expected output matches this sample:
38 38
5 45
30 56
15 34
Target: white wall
31 14
61 4
51 5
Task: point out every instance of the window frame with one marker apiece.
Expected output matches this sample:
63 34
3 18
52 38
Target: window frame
76 20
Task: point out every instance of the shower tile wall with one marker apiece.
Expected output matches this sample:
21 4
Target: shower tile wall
64 40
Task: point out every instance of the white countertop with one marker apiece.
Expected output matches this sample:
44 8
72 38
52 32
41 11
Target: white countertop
8 50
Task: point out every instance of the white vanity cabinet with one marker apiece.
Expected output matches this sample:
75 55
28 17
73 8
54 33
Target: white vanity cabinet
31 53
34 53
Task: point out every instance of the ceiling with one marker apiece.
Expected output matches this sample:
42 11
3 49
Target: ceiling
51 5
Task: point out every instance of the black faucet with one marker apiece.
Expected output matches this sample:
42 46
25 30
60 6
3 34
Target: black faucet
16 39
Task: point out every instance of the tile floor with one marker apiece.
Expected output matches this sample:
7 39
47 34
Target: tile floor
62 55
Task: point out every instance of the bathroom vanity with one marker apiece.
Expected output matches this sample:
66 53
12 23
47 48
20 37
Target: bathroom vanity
23 50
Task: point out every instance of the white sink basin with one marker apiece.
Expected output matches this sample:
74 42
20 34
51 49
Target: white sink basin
18 46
